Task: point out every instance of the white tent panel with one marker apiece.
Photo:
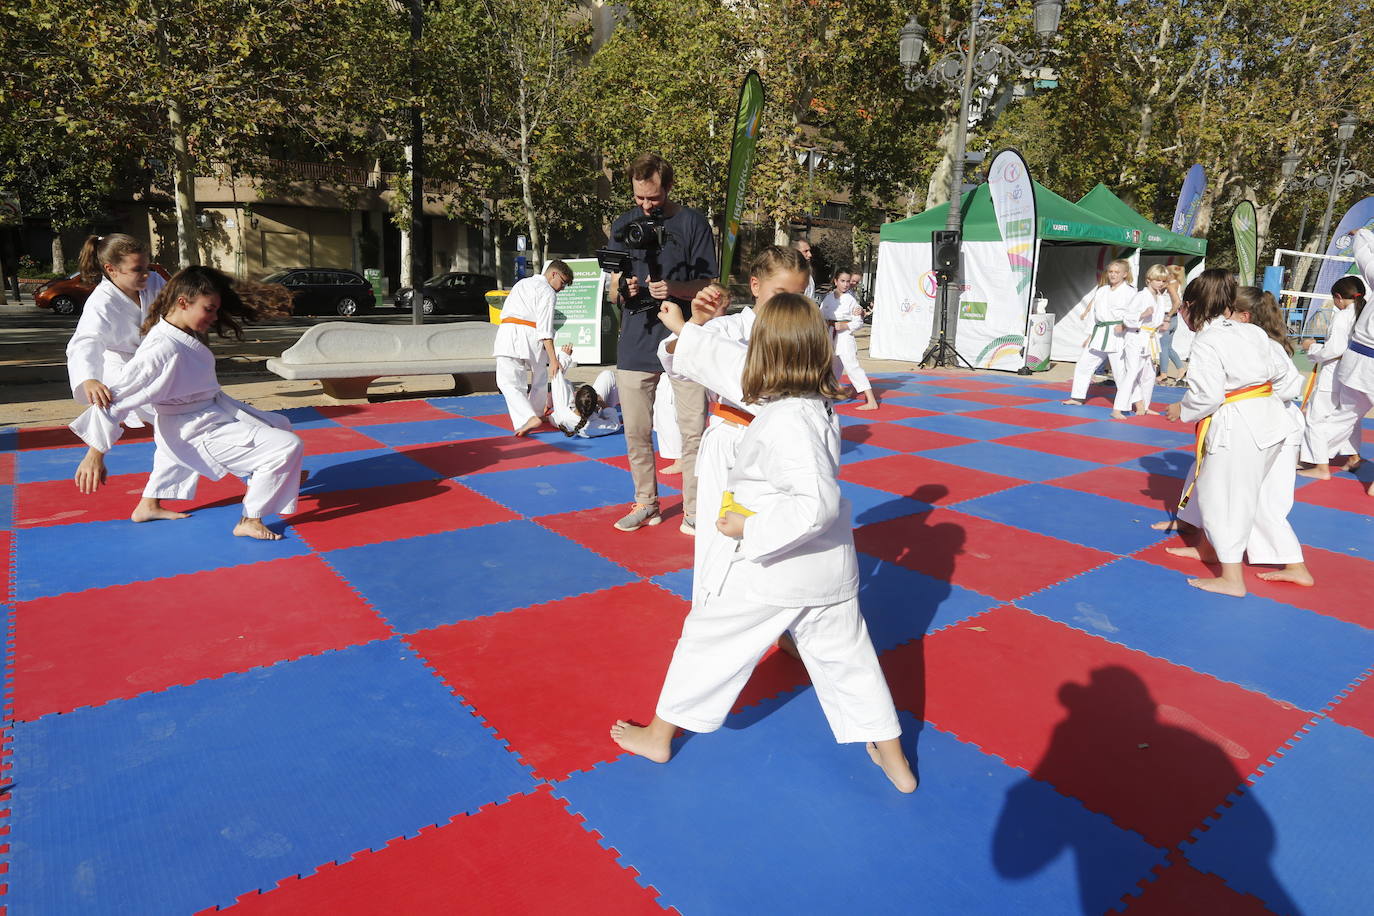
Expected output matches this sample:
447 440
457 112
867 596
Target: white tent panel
991 333
903 302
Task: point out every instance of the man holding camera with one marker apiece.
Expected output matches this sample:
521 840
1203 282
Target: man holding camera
672 255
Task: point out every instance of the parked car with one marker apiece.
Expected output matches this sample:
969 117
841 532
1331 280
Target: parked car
66 295
452 294
325 290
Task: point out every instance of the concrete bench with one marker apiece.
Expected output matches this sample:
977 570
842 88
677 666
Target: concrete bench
346 357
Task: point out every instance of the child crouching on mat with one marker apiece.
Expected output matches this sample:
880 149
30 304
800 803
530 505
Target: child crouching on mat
1238 382
173 373
786 561
588 411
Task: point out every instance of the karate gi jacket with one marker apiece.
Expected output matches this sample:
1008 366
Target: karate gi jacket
1231 355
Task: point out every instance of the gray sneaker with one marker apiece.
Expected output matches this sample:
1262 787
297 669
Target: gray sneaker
689 527
638 517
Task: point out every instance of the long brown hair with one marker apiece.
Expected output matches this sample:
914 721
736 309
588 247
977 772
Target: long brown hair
585 403
790 352
1209 295
239 300
1350 287
1264 314
99 250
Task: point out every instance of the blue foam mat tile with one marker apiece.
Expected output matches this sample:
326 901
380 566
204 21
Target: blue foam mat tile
1172 463
941 405
679 583
1292 655
852 452
1094 410
558 488
870 506
187 798
1126 431
472 405
851 420
1080 518
1298 839
1010 460
424 432
307 418
597 447
6 505
1350 533
119 552
968 427
9 438
362 469
1006 843
60 463
901 604
427 581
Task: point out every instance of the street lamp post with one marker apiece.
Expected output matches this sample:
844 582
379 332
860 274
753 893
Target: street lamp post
1333 176
957 70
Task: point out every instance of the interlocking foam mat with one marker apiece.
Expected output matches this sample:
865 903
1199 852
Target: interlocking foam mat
403 706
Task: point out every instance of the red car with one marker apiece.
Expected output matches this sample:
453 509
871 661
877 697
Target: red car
66 295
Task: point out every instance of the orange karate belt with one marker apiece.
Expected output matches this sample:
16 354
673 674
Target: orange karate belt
1310 388
732 414
528 324
1240 394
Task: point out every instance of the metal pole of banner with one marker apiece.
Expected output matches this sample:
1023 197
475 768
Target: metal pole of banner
417 166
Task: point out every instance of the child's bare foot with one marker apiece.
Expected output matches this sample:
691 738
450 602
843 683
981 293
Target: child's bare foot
1074 402
1319 472
1188 553
150 510
651 742
888 756
1118 415
789 645
871 405
1296 573
674 468
530 426
254 528
1219 586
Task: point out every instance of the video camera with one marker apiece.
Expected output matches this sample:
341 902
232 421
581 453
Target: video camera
647 233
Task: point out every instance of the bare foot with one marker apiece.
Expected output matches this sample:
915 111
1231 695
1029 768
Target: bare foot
1118 415
1145 412
674 468
254 528
1369 490
789 645
1073 402
1188 553
870 406
1320 472
894 765
1297 574
150 510
530 426
643 742
1353 464
1219 586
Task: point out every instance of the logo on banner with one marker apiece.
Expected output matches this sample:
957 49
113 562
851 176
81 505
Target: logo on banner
973 311
929 284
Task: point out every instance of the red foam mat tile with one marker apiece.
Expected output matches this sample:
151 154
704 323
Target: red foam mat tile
57 502
887 410
476 456
6 468
386 412
1035 419
623 462
95 646
40 437
6 565
650 551
1142 488
349 518
1356 709
934 482
974 553
1155 746
1086 448
590 660
990 397
1182 890
900 438
330 440
1341 589
1343 491
528 855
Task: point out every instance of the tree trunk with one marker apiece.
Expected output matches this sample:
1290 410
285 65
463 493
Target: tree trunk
937 192
188 239
59 258
526 187
496 251
780 234
485 259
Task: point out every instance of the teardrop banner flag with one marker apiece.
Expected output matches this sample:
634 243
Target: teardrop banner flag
1243 227
1189 196
741 163
1358 216
1013 203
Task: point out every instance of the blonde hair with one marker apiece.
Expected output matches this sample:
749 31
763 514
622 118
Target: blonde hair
776 259
1125 268
1158 272
99 250
790 352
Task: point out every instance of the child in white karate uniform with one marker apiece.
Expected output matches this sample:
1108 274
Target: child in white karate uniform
1355 374
787 560
667 434
1238 382
107 334
1140 344
173 374
845 316
525 357
588 411
1321 398
1104 343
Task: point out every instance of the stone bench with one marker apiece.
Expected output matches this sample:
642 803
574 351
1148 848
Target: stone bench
346 357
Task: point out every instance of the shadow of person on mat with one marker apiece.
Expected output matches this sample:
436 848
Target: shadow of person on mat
1146 767
1165 482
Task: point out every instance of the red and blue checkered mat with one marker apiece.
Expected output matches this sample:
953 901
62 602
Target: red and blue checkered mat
403 706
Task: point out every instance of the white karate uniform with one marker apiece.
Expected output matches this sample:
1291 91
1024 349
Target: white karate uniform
606 421
668 433
1105 343
201 427
793 570
522 369
846 308
106 337
1240 505
1140 349
1318 445
1355 371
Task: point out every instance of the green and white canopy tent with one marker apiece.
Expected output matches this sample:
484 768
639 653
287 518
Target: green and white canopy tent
1073 248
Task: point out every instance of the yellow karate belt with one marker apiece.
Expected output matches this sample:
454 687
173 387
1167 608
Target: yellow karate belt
1240 394
1310 387
1152 342
1105 327
728 504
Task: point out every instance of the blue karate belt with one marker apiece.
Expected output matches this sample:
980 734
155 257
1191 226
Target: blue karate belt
1362 349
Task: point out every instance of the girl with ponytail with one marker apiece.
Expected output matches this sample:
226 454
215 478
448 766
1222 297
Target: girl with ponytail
1324 420
590 410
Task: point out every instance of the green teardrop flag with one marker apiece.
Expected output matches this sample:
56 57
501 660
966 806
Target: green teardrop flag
741 162
1243 227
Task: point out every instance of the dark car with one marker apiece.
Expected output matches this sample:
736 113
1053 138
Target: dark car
66 295
325 290
451 294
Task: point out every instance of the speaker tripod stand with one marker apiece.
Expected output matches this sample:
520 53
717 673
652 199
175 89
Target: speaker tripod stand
941 351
